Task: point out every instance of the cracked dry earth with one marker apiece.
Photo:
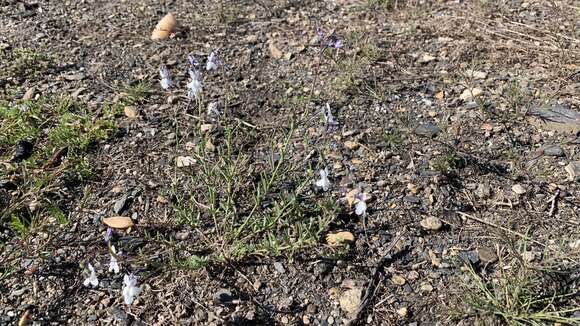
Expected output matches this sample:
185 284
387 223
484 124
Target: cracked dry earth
433 102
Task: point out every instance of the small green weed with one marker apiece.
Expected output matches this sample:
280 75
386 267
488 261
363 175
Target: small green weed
247 209
55 125
520 296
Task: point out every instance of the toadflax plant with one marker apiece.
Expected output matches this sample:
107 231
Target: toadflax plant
323 182
130 288
166 81
194 85
92 276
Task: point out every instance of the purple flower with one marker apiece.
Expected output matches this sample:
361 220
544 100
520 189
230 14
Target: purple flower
108 234
334 42
331 123
192 61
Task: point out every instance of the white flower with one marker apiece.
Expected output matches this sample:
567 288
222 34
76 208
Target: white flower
323 182
166 82
92 278
330 120
114 264
194 86
130 289
212 61
212 109
361 206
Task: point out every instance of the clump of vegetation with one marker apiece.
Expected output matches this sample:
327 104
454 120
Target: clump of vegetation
521 295
249 210
61 133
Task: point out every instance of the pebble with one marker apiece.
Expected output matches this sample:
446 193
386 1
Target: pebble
350 300
330 320
311 308
487 255
398 279
351 145
223 296
553 150
528 256
279 267
120 204
426 287
431 223
306 320
573 169
518 189
483 191
428 130
470 93
284 320
403 312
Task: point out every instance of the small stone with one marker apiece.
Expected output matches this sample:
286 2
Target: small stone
206 127
487 255
200 314
573 169
351 145
350 300
182 235
518 189
476 74
575 245
428 130
223 296
162 199
470 93
330 320
130 112
183 161
469 257
426 287
403 312
311 309
426 58
120 204
553 150
209 146
412 199
431 223
284 320
279 268
528 256
483 191
306 320
398 280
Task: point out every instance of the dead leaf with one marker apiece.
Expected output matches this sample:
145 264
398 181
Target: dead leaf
351 196
275 52
118 222
164 27
338 239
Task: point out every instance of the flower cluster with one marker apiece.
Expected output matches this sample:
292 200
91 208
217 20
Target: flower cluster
194 86
328 41
130 288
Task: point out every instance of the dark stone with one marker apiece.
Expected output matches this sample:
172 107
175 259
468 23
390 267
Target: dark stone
223 296
428 130
553 150
23 150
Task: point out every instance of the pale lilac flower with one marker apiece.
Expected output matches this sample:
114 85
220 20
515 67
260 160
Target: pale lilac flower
194 85
334 42
212 109
323 182
192 61
108 234
166 82
328 41
92 278
130 288
114 264
331 123
361 205
212 61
